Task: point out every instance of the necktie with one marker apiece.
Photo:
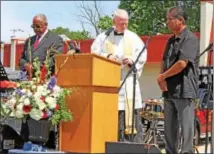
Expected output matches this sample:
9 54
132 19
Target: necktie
36 42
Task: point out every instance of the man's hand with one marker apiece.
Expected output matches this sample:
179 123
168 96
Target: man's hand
127 61
161 78
112 57
163 86
162 82
28 68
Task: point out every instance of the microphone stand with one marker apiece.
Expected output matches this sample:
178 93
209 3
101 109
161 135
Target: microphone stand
133 70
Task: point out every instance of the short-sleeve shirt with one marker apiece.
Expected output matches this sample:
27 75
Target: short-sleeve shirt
183 47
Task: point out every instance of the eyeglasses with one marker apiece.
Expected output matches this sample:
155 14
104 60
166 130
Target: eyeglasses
35 26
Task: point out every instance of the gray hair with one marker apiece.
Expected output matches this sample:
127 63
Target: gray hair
178 12
121 13
42 17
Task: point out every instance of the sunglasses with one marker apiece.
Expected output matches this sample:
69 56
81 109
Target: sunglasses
35 26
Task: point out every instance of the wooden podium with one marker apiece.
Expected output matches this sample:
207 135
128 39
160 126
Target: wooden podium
94 102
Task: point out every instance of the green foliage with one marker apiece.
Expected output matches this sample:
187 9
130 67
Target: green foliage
63 114
73 35
144 14
105 22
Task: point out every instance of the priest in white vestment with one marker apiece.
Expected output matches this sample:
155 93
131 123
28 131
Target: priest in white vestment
124 46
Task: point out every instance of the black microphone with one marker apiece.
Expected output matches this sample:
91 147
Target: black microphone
109 31
209 48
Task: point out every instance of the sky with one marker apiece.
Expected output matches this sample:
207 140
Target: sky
18 15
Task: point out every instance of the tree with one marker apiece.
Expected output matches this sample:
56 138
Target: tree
89 14
73 35
145 14
104 23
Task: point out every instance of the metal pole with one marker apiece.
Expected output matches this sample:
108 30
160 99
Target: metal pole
133 103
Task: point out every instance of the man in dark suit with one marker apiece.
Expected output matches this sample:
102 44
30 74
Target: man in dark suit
38 44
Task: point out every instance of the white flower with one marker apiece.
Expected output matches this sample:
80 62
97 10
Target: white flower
45 86
33 87
12 114
29 93
38 94
41 105
52 105
38 100
6 108
48 91
51 102
19 114
20 106
27 101
55 95
11 103
40 88
49 99
23 91
3 106
56 89
36 114
44 93
22 99
13 100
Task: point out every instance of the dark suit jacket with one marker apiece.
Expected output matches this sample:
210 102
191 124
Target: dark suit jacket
50 39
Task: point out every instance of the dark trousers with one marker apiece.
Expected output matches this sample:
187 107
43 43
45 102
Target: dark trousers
179 111
138 126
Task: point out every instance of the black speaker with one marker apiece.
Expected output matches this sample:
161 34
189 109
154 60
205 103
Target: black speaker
125 147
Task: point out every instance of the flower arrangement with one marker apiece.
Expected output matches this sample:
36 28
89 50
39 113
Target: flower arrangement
38 99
